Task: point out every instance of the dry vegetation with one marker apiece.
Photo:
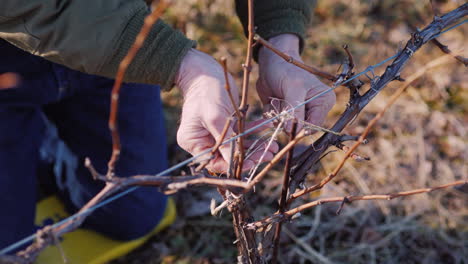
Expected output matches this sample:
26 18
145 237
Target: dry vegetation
421 141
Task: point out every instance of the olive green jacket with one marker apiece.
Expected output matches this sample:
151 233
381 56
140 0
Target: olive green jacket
93 36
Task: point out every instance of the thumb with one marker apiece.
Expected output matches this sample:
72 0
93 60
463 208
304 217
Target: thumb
220 126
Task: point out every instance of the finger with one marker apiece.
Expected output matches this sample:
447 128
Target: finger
218 164
294 99
318 108
316 115
215 124
263 92
257 125
197 146
261 156
196 139
255 145
192 137
248 165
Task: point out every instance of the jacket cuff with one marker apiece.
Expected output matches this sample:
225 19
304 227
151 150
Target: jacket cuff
158 60
276 17
288 22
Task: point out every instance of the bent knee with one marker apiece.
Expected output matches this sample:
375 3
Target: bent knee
131 217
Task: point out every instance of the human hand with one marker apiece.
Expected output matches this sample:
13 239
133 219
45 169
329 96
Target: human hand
206 109
292 85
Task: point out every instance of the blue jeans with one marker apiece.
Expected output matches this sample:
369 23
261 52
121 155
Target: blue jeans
78 105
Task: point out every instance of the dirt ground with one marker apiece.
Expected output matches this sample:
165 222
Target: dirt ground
421 141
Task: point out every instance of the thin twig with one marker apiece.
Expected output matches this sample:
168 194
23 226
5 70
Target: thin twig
238 114
350 57
245 85
247 245
267 147
278 217
216 209
435 8
317 256
353 85
227 86
284 193
276 159
258 144
140 39
60 249
176 183
445 49
231 163
318 128
354 156
219 142
291 60
169 183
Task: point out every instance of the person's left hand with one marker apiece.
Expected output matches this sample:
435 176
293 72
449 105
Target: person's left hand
293 85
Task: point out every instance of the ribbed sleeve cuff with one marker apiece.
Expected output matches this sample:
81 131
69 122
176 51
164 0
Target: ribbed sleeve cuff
287 21
158 60
275 17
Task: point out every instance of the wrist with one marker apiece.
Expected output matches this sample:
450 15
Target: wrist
181 79
194 65
199 75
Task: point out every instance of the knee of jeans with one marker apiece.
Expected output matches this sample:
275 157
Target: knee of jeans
134 218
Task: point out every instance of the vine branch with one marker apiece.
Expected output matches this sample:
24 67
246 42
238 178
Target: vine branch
123 66
362 138
286 216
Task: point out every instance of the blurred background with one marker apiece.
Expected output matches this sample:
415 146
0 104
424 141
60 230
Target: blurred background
421 141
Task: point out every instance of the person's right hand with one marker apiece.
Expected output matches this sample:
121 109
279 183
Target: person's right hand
206 108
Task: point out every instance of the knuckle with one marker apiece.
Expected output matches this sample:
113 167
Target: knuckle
328 97
215 117
295 79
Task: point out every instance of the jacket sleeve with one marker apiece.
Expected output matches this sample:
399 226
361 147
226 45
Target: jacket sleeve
94 36
275 17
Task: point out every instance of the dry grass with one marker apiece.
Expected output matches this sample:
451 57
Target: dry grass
421 141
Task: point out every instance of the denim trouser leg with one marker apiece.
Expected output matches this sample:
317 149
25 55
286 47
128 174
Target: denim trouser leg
79 106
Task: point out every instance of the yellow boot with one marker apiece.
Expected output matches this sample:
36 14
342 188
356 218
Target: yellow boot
84 246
